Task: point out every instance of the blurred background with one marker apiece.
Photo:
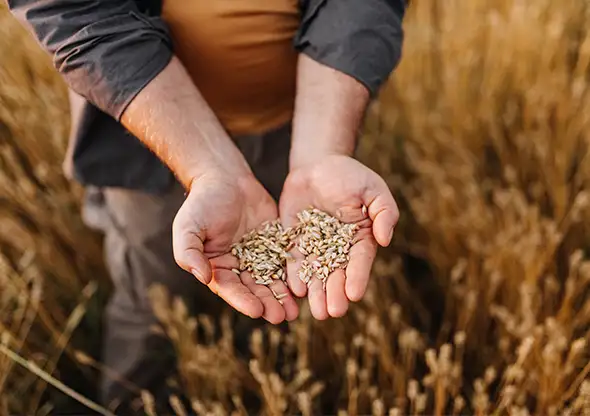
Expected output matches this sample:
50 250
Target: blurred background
480 306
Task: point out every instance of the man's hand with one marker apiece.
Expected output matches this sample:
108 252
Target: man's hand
329 109
219 209
224 199
340 186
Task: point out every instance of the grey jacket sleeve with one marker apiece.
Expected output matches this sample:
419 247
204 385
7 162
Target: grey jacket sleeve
361 38
106 50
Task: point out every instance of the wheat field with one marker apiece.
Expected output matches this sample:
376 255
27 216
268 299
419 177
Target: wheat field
481 306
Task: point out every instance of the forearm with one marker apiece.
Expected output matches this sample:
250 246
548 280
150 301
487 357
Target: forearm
348 50
120 60
172 119
105 50
329 110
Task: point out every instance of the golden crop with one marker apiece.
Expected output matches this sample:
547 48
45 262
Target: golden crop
482 305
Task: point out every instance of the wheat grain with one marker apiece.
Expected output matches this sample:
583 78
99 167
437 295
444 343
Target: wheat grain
261 253
322 238
328 238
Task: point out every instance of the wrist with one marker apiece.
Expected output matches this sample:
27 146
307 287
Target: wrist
171 117
302 155
329 109
232 169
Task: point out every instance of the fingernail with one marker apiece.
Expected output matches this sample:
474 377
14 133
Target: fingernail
198 275
390 235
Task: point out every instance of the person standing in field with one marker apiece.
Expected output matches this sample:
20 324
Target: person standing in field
195 121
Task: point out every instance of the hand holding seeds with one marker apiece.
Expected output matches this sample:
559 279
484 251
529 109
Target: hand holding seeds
323 239
353 194
217 212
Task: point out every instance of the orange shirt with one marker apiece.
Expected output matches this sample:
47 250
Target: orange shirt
239 54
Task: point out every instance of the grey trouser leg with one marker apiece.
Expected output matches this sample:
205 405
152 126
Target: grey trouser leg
138 250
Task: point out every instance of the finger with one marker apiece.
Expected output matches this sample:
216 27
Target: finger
188 254
352 214
273 311
289 205
284 297
228 286
297 286
336 297
362 254
187 247
382 210
226 261
317 300
290 201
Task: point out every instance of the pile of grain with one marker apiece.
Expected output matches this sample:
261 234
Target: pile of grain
324 240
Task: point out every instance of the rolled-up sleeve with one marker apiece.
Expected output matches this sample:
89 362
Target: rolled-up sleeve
361 38
106 50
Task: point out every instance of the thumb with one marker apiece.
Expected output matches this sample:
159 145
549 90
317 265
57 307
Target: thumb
188 249
383 211
198 265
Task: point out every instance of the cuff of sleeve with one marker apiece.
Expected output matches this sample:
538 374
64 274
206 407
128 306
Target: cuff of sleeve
362 42
353 65
144 76
110 61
